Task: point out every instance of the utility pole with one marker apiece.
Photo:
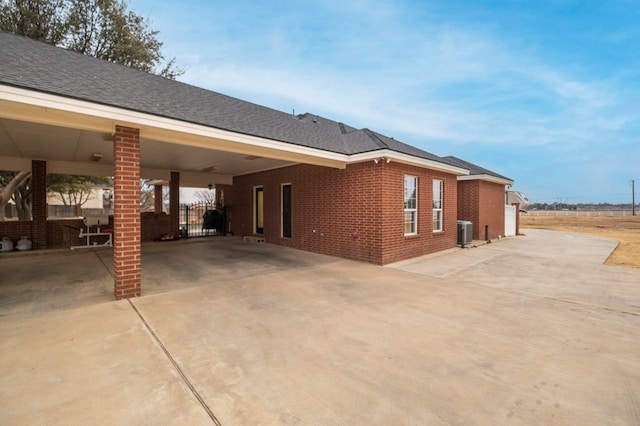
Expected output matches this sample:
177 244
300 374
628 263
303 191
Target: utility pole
633 198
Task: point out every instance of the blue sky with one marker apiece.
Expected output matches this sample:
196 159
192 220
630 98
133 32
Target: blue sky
544 92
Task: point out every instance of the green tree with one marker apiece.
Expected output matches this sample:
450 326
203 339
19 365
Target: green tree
74 190
105 29
44 20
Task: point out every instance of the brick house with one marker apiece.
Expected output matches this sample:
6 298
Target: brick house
301 181
481 199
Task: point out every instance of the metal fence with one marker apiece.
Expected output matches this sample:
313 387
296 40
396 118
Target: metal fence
201 220
581 212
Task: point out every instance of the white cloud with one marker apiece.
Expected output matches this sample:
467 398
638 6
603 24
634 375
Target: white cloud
438 84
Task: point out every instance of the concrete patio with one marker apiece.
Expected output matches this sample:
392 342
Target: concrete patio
527 330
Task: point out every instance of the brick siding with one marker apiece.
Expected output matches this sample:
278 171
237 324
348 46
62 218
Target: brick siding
355 213
482 203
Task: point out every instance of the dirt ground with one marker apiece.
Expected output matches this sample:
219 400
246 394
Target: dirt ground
624 229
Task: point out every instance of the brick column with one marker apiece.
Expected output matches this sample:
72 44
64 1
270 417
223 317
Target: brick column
39 204
517 206
174 203
224 203
126 219
157 199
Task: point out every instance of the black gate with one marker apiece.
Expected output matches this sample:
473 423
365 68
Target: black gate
201 220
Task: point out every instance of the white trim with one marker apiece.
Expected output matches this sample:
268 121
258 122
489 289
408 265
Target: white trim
407 159
15 164
187 178
488 178
99 117
138 119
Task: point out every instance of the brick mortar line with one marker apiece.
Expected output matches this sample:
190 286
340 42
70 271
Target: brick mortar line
173 362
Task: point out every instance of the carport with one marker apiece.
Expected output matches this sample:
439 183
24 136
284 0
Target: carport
65 113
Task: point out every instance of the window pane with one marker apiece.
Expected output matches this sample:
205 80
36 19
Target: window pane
437 194
437 220
409 222
409 192
410 204
437 204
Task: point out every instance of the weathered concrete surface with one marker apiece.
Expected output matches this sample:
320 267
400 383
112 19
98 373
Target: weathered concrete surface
529 330
91 365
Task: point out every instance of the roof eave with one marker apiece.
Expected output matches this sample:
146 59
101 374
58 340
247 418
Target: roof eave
35 106
487 178
387 154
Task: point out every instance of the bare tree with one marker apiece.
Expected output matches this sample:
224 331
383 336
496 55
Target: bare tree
101 28
14 187
148 196
206 196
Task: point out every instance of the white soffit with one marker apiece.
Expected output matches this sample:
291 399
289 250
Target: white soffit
34 106
27 105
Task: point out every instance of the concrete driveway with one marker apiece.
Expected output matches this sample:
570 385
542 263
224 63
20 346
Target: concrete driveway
528 330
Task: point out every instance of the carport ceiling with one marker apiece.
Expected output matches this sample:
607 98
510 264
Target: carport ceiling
26 140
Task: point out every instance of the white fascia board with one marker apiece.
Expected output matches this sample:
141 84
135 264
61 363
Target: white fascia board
135 119
487 178
138 119
15 164
407 159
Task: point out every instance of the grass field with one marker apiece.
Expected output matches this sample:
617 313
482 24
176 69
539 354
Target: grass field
624 229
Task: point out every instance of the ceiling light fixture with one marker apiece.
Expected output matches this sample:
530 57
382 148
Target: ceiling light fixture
95 157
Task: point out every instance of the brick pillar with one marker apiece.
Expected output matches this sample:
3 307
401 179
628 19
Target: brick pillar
126 218
157 199
174 203
517 206
224 202
39 204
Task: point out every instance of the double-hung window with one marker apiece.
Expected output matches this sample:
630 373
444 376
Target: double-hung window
410 205
438 187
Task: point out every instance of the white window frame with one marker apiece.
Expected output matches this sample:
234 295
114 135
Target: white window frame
412 210
438 205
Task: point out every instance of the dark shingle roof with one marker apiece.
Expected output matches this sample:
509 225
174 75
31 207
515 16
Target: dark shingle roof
33 65
474 169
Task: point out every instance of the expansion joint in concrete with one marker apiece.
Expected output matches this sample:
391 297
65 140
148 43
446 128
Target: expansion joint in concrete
176 366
